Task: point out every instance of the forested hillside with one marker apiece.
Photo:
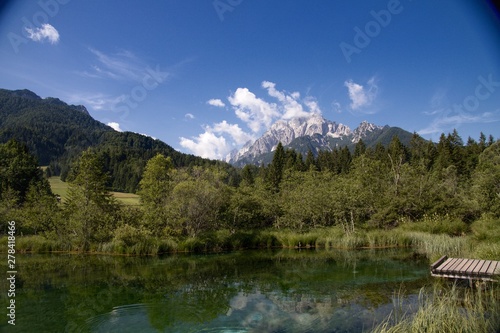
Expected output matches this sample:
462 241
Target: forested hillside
57 133
394 196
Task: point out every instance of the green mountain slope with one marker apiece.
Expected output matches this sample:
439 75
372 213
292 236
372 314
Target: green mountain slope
56 133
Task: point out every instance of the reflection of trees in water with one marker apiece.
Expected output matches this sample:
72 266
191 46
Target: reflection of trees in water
248 287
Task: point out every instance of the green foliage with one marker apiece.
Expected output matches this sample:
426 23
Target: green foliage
90 210
486 180
437 312
155 188
18 171
276 168
57 133
435 224
418 196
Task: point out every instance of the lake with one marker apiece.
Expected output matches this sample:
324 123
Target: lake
247 291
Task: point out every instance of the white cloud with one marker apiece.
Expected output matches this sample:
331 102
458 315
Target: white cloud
289 104
46 32
189 116
123 66
217 141
235 132
255 112
152 137
216 102
361 96
98 102
115 126
447 122
207 145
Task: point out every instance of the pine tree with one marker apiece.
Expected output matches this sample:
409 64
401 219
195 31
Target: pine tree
360 148
276 168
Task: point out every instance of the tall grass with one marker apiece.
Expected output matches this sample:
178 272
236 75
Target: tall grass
481 242
435 246
451 310
486 238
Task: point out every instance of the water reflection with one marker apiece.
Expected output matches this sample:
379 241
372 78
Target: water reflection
255 291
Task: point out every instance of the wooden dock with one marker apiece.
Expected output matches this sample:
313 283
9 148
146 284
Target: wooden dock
470 269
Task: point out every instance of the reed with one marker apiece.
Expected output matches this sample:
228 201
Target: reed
37 244
437 224
434 246
449 310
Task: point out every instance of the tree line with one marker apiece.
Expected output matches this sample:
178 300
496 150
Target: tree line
374 188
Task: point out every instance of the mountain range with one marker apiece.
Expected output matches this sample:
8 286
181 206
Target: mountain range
313 133
57 133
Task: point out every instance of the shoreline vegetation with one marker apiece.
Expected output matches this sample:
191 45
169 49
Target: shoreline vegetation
437 199
479 243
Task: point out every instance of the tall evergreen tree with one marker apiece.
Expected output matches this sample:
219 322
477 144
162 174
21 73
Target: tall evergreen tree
276 168
360 148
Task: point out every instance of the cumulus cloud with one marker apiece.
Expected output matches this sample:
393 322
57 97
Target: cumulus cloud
115 126
234 131
257 114
45 33
289 103
253 111
361 96
216 102
217 141
207 145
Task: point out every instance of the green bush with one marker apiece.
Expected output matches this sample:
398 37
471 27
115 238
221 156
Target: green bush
436 224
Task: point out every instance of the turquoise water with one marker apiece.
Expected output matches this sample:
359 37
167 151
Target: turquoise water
249 291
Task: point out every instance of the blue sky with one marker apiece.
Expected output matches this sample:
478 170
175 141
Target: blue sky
205 76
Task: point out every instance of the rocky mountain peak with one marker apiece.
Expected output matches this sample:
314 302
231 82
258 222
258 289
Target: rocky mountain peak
363 130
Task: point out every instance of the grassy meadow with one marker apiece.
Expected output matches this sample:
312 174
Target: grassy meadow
61 188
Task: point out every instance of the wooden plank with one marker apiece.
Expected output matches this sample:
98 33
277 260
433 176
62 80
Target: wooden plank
491 269
478 267
443 264
474 266
446 264
457 263
465 268
461 266
438 262
485 267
